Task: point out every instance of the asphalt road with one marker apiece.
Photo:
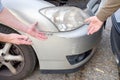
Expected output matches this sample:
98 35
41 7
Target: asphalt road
102 66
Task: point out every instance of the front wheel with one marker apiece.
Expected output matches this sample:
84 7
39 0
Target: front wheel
16 61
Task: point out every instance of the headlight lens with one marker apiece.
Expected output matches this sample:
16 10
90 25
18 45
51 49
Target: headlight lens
65 18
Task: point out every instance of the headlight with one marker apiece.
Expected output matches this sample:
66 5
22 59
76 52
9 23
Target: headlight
65 18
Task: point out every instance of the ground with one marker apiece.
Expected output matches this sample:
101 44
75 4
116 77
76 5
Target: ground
102 66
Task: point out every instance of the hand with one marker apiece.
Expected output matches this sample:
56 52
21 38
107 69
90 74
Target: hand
18 39
35 33
95 24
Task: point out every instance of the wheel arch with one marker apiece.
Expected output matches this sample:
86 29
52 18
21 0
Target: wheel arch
36 57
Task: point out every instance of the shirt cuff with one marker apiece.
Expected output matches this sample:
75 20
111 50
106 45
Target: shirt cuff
1 7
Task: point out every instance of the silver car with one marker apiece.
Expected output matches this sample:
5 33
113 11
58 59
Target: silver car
68 46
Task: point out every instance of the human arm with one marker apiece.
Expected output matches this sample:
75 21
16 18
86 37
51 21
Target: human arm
108 9
15 38
105 11
8 19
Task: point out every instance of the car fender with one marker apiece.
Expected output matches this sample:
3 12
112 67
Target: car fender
27 11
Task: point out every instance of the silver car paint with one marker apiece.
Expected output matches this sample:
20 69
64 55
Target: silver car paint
52 52
30 13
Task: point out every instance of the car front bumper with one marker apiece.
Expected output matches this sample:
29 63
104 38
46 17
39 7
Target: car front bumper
53 53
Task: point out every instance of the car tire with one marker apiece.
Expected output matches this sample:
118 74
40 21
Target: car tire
22 62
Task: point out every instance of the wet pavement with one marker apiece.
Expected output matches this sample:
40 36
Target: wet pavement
102 66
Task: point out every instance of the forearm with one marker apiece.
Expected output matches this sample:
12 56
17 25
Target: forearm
8 19
108 9
3 37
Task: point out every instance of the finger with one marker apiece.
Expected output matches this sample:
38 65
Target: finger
90 26
24 39
41 35
93 31
34 25
90 30
88 20
28 42
22 36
